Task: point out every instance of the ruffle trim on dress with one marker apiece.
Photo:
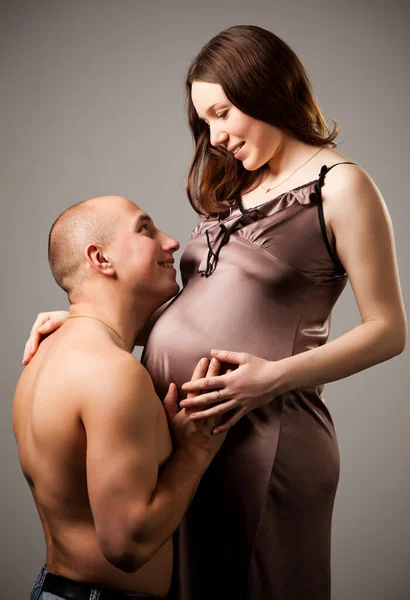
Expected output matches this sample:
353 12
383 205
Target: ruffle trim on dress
218 234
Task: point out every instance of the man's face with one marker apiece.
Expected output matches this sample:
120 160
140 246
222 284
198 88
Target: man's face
142 255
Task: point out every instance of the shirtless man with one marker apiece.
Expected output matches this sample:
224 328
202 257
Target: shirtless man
92 435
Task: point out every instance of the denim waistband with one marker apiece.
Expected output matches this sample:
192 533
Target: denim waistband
75 590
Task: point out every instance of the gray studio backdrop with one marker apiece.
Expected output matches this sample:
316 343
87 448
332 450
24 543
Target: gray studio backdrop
92 103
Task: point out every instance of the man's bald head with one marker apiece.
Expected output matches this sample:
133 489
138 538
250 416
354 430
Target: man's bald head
88 222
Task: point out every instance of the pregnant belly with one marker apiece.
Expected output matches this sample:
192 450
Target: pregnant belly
211 313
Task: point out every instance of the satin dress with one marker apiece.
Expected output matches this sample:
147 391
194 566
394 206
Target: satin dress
262 281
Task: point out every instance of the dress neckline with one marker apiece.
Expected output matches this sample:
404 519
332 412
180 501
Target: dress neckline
300 187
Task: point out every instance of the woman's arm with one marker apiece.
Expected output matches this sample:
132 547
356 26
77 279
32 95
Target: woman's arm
47 322
358 218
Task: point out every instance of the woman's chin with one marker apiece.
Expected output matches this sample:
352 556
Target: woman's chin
250 165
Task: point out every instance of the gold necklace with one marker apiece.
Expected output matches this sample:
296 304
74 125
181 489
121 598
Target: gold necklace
101 321
267 190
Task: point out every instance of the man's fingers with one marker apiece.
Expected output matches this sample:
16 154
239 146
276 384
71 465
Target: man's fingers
170 401
213 368
199 372
200 369
171 396
229 423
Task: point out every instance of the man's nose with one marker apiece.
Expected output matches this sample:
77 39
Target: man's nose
169 244
217 135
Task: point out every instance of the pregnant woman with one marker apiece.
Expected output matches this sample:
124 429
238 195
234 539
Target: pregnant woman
287 220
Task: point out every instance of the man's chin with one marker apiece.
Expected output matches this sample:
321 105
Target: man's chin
176 289
172 291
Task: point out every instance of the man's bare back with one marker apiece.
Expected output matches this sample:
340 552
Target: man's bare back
47 418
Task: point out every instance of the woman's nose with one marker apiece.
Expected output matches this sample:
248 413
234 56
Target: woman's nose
217 135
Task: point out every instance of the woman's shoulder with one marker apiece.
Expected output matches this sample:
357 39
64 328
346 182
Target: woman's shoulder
347 188
339 165
343 174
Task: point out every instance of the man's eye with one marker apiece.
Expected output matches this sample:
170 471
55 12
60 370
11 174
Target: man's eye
146 228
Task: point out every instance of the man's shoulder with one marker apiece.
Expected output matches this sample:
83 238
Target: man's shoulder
113 375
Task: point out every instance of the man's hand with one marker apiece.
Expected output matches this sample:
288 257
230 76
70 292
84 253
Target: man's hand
196 437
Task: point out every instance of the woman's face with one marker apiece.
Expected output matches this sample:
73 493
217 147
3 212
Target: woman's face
249 140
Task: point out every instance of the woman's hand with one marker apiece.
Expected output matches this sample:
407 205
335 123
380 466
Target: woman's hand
247 387
46 323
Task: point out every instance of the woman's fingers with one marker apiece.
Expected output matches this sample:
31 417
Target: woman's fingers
195 401
41 319
219 409
25 353
213 382
33 342
44 324
228 356
31 347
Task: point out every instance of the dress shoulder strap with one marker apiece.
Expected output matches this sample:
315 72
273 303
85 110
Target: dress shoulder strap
323 171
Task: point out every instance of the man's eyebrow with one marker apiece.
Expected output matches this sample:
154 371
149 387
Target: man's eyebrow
143 218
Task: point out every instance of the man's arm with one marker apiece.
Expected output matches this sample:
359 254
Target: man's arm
136 510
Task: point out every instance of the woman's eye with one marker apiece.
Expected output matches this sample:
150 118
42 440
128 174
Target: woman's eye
223 114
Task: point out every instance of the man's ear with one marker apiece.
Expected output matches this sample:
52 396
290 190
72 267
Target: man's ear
97 257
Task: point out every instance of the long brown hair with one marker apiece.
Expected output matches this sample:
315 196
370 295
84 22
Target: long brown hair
263 78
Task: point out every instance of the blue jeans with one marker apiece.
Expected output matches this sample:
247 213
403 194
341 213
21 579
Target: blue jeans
37 592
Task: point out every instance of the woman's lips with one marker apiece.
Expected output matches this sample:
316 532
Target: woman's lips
238 154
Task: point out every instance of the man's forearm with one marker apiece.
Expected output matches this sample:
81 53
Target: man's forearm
175 488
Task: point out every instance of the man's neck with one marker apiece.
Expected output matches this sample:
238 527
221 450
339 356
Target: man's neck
126 321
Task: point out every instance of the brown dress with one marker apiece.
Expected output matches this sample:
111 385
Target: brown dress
263 281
